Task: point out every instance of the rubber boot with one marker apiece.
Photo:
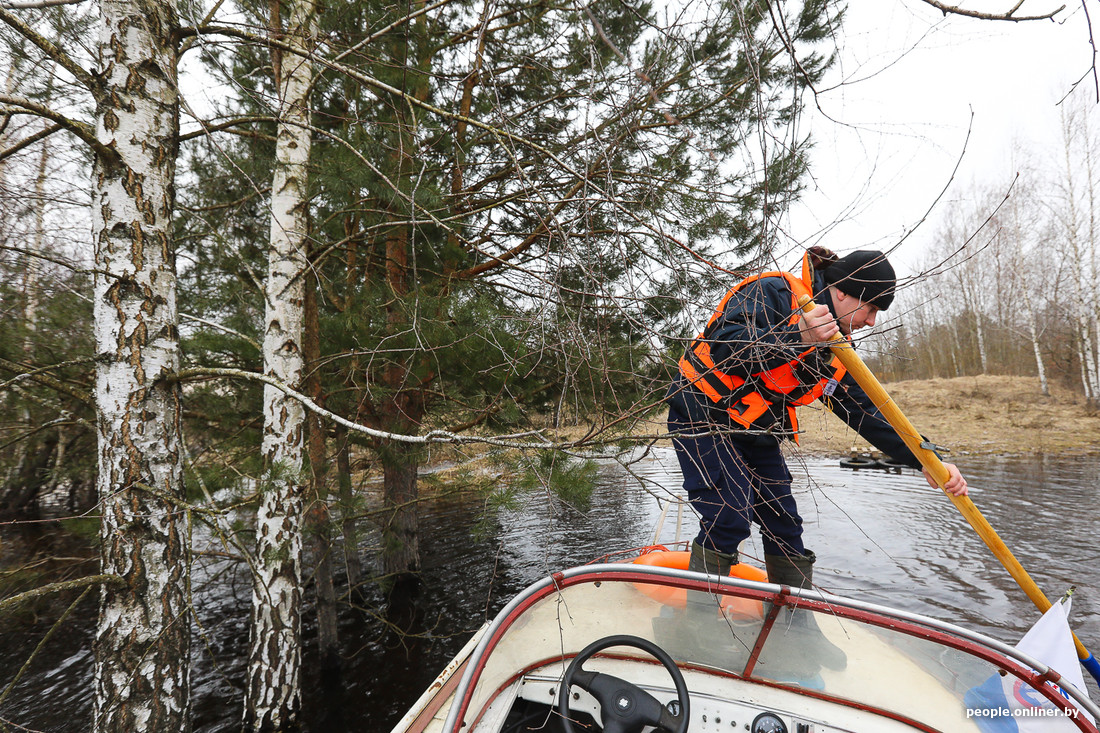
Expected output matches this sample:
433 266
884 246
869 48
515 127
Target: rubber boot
711 562
797 572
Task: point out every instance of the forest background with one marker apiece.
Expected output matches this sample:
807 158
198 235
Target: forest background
457 228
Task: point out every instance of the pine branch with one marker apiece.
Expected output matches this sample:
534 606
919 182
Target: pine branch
500 134
225 329
382 86
50 48
386 29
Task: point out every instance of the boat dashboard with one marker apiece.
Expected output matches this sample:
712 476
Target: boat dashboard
532 709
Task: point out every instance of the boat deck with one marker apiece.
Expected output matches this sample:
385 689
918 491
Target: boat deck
900 675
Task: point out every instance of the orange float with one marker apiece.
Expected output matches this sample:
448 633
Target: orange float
677 597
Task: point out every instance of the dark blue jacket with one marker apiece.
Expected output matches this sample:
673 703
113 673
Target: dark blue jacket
754 335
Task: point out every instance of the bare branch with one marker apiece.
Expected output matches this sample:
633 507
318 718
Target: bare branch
51 49
186 45
227 125
35 4
84 131
1008 15
528 440
20 598
37 375
29 140
1092 43
67 264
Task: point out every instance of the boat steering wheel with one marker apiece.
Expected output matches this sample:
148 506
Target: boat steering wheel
626 707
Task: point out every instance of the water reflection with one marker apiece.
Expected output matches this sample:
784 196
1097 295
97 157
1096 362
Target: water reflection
883 537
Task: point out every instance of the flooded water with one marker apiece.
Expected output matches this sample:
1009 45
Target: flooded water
881 537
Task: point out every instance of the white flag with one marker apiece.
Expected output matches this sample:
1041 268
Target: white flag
1009 705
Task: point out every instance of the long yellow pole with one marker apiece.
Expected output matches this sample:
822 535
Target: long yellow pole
844 351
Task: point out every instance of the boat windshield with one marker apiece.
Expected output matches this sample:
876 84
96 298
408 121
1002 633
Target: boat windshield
904 666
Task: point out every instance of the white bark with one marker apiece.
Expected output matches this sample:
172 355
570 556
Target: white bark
979 330
274 694
1033 332
142 639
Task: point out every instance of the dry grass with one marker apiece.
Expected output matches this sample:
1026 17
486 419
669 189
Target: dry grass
974 415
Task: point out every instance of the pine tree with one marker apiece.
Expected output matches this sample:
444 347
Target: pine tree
507 200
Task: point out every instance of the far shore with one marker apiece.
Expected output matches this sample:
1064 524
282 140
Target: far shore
983 415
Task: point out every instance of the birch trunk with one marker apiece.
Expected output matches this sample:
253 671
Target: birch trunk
979 331
1035 347
1033 331
274 690
1022 248
142 638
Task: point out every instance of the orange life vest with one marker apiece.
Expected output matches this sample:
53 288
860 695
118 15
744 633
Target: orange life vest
758 401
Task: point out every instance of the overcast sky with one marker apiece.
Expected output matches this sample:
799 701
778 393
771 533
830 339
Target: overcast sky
915 82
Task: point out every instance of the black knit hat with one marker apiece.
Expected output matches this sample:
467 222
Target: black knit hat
865 274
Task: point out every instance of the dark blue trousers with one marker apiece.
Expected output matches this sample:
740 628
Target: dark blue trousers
733 483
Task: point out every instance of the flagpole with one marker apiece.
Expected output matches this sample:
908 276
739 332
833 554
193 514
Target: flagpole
928 458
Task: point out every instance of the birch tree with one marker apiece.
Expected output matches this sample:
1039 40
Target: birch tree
274 688
142 641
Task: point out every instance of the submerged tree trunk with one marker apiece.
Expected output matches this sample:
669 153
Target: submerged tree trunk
273 698
402 414
401 531
348 512
404 378
318 517
142 638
